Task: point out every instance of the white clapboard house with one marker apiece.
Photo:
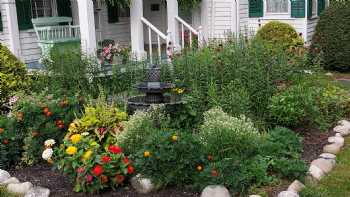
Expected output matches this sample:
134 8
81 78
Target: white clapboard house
27 26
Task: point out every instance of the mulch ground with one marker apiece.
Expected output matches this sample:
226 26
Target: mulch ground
60 185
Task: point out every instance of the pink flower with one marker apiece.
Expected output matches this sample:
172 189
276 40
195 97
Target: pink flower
80 170
89 178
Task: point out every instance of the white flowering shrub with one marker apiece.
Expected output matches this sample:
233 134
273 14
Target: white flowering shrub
226 136
136 131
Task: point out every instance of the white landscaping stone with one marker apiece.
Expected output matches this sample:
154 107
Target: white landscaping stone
9 181
328 156
316 172
288 194
326 165
343 127
38 192
336 140
296 186
4 175
142 185
332 148
19 188
215 191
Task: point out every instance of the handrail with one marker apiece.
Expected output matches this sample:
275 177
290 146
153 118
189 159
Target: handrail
195 32
192 31
160 35
155 29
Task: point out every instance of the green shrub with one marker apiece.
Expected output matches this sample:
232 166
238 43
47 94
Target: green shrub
170 158
281 34
332 37
314 191
294 106
13 75
283 148
225 136
211 74
136 131
11 141
42 117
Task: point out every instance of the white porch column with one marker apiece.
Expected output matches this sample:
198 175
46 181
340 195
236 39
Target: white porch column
12 26
173 25
137 42
87 27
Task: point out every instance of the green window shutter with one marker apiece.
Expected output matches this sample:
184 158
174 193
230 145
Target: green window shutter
24 14
321 5
64 8
298 8
309 8
112 13
256 8
1 26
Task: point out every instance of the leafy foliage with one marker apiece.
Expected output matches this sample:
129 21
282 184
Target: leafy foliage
42 117
13 75
170 158
332 37
280 34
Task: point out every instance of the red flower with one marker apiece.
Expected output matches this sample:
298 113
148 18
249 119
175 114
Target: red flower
102 130
115 149
89 178
80 170
119 178
130 169
106 159
214 173
126 160
98 170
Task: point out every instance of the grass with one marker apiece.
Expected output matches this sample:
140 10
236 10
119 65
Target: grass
337 183
4 193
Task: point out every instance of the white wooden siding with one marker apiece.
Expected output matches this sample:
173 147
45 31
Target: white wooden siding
221 18
119 32
4 35
311 26
31 51
244 16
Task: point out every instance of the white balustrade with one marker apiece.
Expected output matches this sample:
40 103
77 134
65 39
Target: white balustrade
192 31
58 33
151 28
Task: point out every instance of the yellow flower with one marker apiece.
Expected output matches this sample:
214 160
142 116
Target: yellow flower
72 127
87 155
75 138
146 154
71 150
174 138
180 90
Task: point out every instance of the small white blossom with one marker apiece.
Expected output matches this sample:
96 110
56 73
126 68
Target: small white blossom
85 134
47 154
308 72
50 142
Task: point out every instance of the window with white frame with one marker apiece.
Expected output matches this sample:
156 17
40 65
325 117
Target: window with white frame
277 6
314 7
41 8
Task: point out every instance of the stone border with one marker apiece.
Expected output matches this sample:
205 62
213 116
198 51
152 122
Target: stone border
325 163
25 189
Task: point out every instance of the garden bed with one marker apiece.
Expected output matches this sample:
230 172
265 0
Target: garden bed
60 185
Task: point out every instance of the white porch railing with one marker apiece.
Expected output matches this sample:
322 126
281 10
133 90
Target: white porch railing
160 35
192 31
57 33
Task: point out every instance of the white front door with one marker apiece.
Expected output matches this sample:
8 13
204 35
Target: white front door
155 12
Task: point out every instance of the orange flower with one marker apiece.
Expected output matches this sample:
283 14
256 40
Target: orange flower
104 179
119 178
214 173
199 168
1 130
147 154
